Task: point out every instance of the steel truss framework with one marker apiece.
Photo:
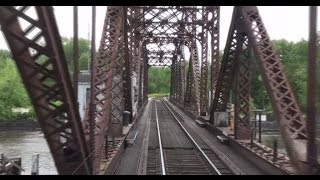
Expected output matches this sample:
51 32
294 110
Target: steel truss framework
247 30
133 39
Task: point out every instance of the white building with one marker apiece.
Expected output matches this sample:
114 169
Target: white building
83 91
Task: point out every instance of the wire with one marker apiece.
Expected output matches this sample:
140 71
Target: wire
83 162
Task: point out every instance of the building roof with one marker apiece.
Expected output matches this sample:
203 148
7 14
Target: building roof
84 76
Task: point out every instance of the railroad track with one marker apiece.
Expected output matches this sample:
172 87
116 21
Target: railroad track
172 149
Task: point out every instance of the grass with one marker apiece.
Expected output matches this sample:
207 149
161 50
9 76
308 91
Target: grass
158 94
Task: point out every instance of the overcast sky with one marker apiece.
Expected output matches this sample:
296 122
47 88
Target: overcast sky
282 22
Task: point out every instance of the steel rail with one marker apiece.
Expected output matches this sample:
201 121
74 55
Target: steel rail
163 169
193 141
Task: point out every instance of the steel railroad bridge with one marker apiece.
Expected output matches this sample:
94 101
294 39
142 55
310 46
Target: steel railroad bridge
171 142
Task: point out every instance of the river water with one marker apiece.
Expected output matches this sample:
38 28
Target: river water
17 144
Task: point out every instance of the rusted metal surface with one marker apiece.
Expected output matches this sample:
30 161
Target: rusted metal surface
227 69
145 75
41 62
214 30
242 127
135 37
173 85
284 104
117 105
204 64
75 51
312 93
127 67
141 75
90 122
103 72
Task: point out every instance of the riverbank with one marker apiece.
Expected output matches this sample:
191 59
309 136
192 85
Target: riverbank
19 125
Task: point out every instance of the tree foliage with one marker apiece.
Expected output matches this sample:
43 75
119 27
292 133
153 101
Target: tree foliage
12 91
159 79
84 50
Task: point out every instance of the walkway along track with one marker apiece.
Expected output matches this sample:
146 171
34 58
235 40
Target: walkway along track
173 151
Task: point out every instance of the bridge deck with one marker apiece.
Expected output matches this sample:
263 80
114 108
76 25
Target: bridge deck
134 158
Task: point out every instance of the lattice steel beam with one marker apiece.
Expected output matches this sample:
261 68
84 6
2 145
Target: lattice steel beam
215 62
127 66
204 64
227 69
103 72
284 104
38 53
242 127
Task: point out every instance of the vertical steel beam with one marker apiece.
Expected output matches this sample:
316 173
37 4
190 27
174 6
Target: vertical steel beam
92 109
182 75
146 67
103 73
117 91
228 67
188 95
204 64
215 35
75 51
127 67
312 91
141 73
242 126
173 84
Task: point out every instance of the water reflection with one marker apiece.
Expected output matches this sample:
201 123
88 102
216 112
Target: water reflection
17 144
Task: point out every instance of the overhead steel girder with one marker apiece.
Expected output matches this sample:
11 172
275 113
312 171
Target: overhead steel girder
41 62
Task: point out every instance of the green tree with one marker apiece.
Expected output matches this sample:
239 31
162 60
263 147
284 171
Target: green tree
159 79
12 91
84 50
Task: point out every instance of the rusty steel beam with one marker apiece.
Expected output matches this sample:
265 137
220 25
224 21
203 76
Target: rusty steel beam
75 51
145 80
215 35
127 67
285 107
227 69
188 95
173 79
103 73
195 63
181 76
141 74
89 122
204 64
312 93
117 105
242 127
41 62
